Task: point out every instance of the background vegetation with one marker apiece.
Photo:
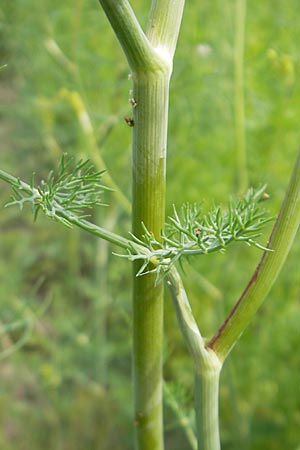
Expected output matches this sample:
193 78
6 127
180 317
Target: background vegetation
65 299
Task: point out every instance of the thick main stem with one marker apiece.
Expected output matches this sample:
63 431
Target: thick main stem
148 166
150 59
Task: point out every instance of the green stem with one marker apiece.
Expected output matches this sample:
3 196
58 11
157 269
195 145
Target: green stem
148 166
239 100
262 280
164 24
151 63
102 302
207 406
137 48
186 320
207 368
90 227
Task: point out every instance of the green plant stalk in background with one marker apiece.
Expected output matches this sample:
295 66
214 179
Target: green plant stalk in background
239 95
150 59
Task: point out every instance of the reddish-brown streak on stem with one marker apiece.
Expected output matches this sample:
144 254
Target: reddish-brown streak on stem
252 280
223 326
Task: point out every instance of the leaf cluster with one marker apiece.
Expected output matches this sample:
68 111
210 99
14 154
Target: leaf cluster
74 189
192 232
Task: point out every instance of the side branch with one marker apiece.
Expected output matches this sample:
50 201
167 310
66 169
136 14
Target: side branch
56 211
203 357
136 46
262 280
164 24
187 323
207 368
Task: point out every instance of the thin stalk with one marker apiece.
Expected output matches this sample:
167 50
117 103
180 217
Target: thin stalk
84 224
239 95
137 48
268 269
207 368
164 24
186 320
100 232
183 420
92 148
79 105
207 407
102 302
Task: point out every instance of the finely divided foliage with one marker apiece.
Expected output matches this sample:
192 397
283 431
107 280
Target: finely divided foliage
77 187
193 232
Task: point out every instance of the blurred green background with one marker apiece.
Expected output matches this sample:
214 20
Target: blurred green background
65 324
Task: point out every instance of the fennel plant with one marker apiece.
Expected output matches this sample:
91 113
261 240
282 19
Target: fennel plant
155 247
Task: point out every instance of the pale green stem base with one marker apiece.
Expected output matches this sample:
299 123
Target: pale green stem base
207 407
207 368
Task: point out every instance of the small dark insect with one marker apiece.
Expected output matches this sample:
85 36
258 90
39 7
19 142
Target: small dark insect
133 102
129 121
197 232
